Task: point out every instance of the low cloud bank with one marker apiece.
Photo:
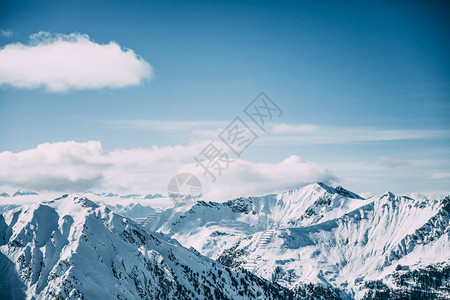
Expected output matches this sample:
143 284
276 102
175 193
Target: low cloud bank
80 167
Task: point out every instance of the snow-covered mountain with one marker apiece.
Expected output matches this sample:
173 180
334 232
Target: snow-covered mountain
72 248
318 234
315 241
373 243
212 227
24 193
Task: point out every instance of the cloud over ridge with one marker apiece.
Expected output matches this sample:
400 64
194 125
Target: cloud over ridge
83 166
59 62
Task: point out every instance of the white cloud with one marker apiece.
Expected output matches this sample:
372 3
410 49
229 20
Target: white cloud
56 166
415 175
283 134
158 125
433 195
441 176
60 62
72 166
295 128
391 162
343 135
6 33
244 178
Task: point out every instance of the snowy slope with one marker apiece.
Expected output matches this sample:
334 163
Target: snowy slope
212 227
317 241
72 248
364 245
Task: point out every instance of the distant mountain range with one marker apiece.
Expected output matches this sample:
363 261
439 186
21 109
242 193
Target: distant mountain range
316 241
19 193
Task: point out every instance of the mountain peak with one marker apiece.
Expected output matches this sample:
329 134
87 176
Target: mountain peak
340 190
337 190
75 199
388 195
325 186
24 193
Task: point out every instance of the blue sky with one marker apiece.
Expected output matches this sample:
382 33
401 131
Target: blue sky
373 78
